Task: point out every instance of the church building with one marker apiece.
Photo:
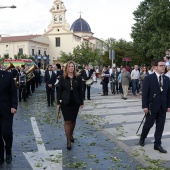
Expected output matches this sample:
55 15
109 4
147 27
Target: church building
58 37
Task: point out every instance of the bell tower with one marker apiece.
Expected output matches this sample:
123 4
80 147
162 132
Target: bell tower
58 13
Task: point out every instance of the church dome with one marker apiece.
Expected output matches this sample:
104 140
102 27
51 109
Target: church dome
80 25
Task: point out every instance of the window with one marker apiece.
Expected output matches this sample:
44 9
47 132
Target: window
57 40
39 52
32 51
21 51
58 7
45 53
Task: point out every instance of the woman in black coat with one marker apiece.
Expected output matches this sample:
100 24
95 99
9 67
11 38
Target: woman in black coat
70 99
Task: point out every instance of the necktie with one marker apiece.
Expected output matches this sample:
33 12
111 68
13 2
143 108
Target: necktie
160 81
50 74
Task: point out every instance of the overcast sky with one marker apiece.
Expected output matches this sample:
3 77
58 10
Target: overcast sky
107 18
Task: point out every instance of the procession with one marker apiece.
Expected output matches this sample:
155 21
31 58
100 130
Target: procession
85 95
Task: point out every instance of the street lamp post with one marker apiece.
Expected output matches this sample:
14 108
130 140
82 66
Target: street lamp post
13 6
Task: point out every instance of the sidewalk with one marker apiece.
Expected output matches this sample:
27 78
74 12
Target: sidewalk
92 149
120 119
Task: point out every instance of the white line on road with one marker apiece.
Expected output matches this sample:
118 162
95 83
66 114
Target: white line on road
43 159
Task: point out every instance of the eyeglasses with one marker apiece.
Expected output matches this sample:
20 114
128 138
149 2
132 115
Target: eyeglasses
161 65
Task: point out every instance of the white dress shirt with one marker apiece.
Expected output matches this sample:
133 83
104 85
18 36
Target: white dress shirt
87 72
135 74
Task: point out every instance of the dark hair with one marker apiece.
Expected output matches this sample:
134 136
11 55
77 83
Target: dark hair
155 63
49 65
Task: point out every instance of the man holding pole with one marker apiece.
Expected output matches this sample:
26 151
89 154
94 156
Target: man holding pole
155 103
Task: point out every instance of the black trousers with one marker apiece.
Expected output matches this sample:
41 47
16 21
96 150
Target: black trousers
84 86
50 95
22 94
6 134
159 119
105 87
28 85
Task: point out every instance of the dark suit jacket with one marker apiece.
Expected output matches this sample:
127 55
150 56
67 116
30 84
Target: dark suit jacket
8 93
14 73
49 80
64 90
152 95
114 75
84 75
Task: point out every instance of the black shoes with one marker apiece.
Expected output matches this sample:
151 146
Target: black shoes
8 159
160 149
125 98
69 145
142 142
88 99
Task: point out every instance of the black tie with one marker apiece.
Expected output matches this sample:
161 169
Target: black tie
160 83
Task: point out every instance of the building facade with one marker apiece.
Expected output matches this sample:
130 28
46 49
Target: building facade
58 37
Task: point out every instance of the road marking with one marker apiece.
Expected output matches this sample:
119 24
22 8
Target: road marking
43 159
137 137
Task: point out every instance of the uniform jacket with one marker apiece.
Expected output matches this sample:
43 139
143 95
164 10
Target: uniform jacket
84 75
64 90
8 93
114 75
152 97
49 80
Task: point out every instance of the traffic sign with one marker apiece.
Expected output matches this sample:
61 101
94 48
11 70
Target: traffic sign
127 59
111 54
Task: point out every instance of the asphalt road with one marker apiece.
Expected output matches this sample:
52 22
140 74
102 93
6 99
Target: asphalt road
93 149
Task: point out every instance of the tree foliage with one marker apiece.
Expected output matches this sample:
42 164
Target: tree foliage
123 49
151 31
83 54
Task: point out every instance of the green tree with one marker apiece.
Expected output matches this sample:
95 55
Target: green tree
83 54
6 56
66 57
151 33
122 49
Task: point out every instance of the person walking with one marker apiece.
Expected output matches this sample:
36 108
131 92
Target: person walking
125 82
50 79
70 99
155 103
8 107
135 75
86 75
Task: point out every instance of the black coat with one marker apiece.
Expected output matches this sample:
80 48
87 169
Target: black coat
84 75
152 97
64 90
49 80
8 94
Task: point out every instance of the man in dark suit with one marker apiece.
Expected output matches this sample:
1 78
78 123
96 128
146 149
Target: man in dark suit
8 107
86 75
50 79
155 103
